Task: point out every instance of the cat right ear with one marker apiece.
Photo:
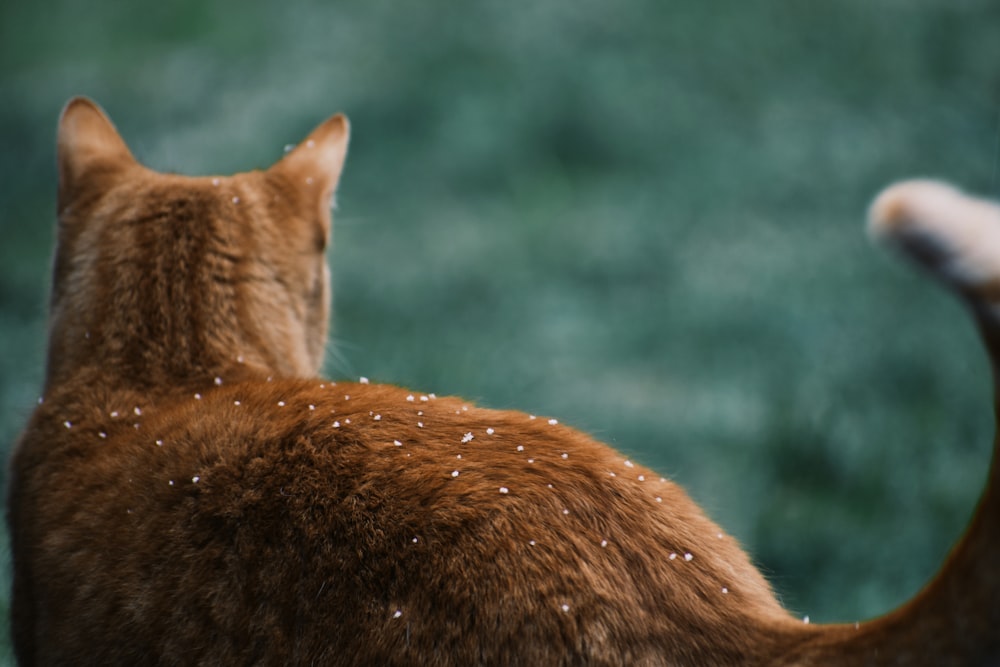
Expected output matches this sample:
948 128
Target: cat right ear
319 160
88 147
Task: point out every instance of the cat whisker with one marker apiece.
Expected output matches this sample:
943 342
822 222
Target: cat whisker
337 362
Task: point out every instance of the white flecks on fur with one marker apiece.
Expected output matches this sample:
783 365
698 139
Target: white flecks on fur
420 413
195 479
377 418
468 437
114 413
397 443
215 182
565 455
565 511
520 448
604 543
312 407
336 424
347 421
424 398
612 473
550 486
397 613
719 535
197 397
553 422
531 460
363 380
454 473
236 402
642 478
135 426
347 397
236 200
672 556
420 424
68 424
629 464
490 431
531 543
688 556
310 143
410 398
171 482
218 381
504 490
159 443
659 499
240 359
281 404
565 607
432 395
41 399
458 456
137 410
289 148
415 540
725 591
805 619
532 417
102 434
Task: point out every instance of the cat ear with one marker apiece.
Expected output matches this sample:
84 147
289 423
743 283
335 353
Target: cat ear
318 161
88 145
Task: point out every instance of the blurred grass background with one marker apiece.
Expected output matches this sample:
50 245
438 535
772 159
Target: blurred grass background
643 217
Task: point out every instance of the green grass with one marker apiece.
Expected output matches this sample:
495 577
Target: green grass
645 218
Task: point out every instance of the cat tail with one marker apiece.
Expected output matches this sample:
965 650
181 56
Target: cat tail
955 619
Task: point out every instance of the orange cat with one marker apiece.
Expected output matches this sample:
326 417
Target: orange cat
189 493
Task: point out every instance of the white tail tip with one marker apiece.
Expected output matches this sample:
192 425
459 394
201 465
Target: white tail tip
954 235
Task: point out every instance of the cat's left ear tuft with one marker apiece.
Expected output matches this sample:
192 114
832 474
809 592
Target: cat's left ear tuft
319 160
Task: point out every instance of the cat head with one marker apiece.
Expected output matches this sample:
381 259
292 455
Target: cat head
162 277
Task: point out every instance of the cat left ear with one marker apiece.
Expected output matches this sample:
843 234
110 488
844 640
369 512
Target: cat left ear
88 146
318 161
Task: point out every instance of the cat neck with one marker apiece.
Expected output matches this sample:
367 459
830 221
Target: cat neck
157 353
156 378
173 291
